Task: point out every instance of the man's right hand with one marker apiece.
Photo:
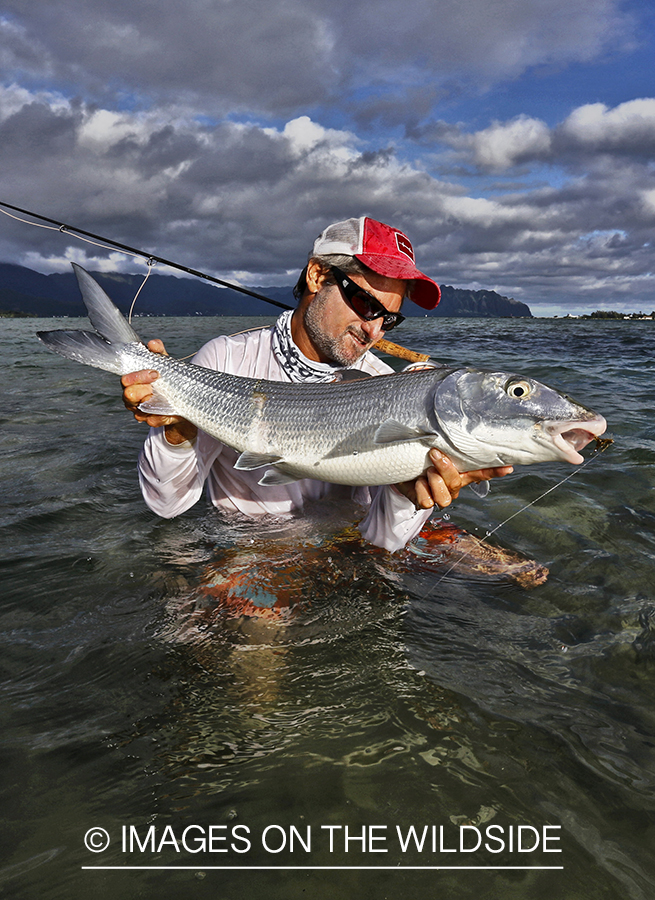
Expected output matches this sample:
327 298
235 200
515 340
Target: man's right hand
137 389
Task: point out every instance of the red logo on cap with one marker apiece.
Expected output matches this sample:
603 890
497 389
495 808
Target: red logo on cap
404 245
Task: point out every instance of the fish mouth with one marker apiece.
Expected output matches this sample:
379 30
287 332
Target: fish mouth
571 437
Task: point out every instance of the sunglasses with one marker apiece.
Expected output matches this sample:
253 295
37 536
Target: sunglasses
363 303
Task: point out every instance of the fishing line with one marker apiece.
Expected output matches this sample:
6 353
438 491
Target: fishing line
151 265
64 229
601 445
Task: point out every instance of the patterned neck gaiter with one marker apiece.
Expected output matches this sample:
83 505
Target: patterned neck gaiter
295 364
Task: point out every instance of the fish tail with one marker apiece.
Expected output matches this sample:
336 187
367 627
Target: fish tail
86 347
104 350
105 317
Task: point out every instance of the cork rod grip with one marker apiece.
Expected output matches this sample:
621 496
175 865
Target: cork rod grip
401 352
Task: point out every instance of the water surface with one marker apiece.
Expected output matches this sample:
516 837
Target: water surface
392 699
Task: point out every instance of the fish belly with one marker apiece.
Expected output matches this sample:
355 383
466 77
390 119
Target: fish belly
384 465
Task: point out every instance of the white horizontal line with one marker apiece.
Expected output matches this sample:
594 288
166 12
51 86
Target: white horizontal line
202 868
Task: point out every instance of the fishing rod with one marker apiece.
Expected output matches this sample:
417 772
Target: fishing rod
383 345
71 229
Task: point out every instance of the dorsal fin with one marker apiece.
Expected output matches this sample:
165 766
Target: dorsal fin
344 375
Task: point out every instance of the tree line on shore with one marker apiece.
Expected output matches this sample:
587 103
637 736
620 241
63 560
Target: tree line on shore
613 314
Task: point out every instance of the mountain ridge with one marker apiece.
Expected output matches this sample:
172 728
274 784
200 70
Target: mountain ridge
26 292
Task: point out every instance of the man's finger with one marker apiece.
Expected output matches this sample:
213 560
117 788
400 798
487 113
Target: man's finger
143 376
422 496
136 394
441 492
157 346
159 421
447 470
485 474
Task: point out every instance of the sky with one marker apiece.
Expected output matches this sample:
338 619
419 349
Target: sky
512 140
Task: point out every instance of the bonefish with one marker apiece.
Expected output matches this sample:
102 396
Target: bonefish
369 431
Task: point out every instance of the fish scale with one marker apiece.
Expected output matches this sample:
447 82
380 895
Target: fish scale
288 420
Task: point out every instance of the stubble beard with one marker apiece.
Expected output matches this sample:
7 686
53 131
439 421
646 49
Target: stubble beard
339 349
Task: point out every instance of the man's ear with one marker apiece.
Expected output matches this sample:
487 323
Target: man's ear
316 276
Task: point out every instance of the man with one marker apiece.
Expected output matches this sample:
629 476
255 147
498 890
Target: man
350 293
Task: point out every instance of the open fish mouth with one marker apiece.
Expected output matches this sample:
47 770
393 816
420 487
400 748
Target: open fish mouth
571 437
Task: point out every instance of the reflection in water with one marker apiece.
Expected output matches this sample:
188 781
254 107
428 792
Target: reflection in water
259 598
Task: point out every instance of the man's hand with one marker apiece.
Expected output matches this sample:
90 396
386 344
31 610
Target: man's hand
137 389
441 483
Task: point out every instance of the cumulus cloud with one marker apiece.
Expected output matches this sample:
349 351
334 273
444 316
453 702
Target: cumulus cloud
505 144
629 128
282 58
592 130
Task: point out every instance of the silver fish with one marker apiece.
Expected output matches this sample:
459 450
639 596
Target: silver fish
363 432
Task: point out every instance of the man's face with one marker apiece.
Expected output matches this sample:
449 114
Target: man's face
335 330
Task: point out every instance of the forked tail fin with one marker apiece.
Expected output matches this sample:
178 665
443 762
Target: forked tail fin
102 350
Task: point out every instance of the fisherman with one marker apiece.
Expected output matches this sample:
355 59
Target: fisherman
349 295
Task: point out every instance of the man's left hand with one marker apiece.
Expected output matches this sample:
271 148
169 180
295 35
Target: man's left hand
441 483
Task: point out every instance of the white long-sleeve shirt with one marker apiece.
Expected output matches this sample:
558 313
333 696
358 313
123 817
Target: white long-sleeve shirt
172 477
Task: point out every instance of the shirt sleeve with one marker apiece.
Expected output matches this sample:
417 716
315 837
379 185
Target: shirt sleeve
172 476
392 519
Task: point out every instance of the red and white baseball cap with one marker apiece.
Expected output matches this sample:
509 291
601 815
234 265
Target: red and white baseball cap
382 248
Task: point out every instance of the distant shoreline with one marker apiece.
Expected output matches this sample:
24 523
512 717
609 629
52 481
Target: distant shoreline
610 315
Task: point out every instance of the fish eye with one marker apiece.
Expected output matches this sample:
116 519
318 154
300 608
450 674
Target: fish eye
518 389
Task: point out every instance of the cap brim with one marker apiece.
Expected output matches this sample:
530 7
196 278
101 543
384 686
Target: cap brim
426 292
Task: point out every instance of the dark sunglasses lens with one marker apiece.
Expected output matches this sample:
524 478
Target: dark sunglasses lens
369 309
362 305
366 306
390 321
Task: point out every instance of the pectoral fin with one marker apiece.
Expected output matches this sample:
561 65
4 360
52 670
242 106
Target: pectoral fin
393 432
157 405
480 489
274 476
250 460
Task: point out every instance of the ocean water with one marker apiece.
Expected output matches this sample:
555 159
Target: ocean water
231 757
